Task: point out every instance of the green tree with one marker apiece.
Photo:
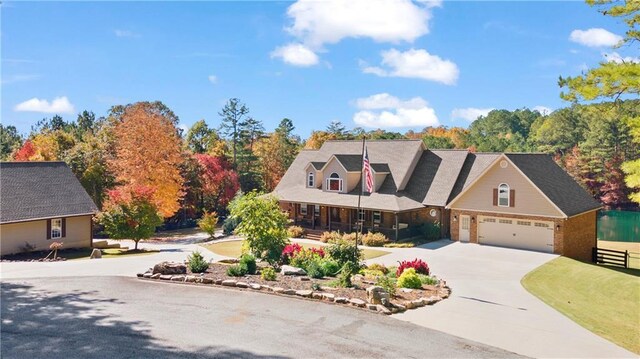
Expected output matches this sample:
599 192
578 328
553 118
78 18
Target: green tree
10 141
131 215
202 139
233 115
436 142
337 129
502 130
262 223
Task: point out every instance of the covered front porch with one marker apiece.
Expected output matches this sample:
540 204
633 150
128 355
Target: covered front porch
394 225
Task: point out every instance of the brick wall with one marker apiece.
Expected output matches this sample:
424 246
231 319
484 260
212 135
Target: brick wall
580 236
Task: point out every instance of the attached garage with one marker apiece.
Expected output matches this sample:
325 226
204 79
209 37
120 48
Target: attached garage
516 233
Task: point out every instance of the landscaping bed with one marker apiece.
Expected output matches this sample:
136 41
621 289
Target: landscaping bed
71 254
321 289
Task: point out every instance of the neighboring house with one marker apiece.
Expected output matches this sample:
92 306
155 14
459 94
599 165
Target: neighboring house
471 195
42 202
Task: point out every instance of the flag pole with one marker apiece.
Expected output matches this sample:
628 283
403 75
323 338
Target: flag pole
362 179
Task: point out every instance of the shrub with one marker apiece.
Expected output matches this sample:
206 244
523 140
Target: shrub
330 237
318 251
304 257
371 274
236 271
268 273
400 245
348 269
388 284
391 272
208 223
350 237
344 251
429 230
419 265
197 263
289 251
330 267
263 225
314 269
409 279
378 267
248 263
427 280
229 225
295 232
375 239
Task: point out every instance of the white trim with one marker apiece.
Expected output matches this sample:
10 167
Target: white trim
43 218
57 228
488 213
328 186
591 210
333 157
508 195
503 156
311 176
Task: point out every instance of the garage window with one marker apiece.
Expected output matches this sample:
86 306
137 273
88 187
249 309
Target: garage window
503 195
524 223
539 224
505 221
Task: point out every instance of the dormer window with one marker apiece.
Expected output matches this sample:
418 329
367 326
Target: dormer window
334 183
503 195
311 179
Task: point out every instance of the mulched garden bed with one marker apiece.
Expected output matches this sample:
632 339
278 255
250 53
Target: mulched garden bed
302 286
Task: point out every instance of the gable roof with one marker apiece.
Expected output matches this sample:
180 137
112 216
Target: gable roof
554 182
318 165
380 167
351 163
38 190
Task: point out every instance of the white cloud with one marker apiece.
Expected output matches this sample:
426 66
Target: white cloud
126 33
327 22
19 78
470 114
58 105
595 37
384 111
617 58
415 64
213 79
296 54
544 110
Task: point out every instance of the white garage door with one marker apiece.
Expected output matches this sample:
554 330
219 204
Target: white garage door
516 233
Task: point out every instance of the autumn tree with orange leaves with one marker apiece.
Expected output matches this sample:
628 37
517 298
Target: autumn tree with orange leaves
147 153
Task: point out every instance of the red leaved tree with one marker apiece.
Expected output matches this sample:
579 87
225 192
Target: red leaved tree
218 182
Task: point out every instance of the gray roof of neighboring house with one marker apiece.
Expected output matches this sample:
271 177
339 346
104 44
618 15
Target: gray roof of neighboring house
34 190
554 182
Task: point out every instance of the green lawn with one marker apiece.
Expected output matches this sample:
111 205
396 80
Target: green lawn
605 300
232 249
106 253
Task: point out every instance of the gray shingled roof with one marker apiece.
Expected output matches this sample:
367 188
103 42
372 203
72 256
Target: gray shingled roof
380 167
473 166
33 190
554 182
352 163
318 165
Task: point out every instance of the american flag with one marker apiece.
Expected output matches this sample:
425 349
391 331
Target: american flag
368 174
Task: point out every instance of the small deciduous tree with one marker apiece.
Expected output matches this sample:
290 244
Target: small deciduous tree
208 223
130 214
263 224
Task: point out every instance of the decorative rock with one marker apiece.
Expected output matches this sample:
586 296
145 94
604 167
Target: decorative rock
255 286
341 300
229 261
406 290
207 280
265 287
170 268
177 278
357 302
409 305
165 276
316 295
328 296
96 254
147 275
190 278
400 307
372 306
139 275
278 289
289 270
432 300
382 309
417 303
386 302
218 281
304 293
156 276
304 279
229 283
242 285
289 292
376 294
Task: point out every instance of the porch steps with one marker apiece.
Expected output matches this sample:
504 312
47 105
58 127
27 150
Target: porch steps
313 234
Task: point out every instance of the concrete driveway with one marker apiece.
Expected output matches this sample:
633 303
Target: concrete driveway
489 305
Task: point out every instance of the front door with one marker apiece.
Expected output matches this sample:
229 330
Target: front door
465 224
335 215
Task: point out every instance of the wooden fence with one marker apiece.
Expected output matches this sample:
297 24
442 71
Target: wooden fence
611 257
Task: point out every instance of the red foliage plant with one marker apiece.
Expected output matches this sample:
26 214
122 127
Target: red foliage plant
218 178
25 152
289 251
418 264
124 195
318 251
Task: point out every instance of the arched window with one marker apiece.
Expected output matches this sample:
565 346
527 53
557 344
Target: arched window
334 183
503 195
311 180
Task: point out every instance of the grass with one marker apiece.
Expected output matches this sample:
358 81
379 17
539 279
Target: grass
233 249
108 253
600 298
632 247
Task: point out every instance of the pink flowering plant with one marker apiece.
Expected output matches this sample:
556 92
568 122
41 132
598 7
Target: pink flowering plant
419 265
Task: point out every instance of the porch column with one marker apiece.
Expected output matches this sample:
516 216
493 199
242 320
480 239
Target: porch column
329 217
350 214
295 214
397 225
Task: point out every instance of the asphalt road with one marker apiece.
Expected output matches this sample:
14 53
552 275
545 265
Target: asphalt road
119 317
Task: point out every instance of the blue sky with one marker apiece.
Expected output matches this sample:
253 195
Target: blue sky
390 64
